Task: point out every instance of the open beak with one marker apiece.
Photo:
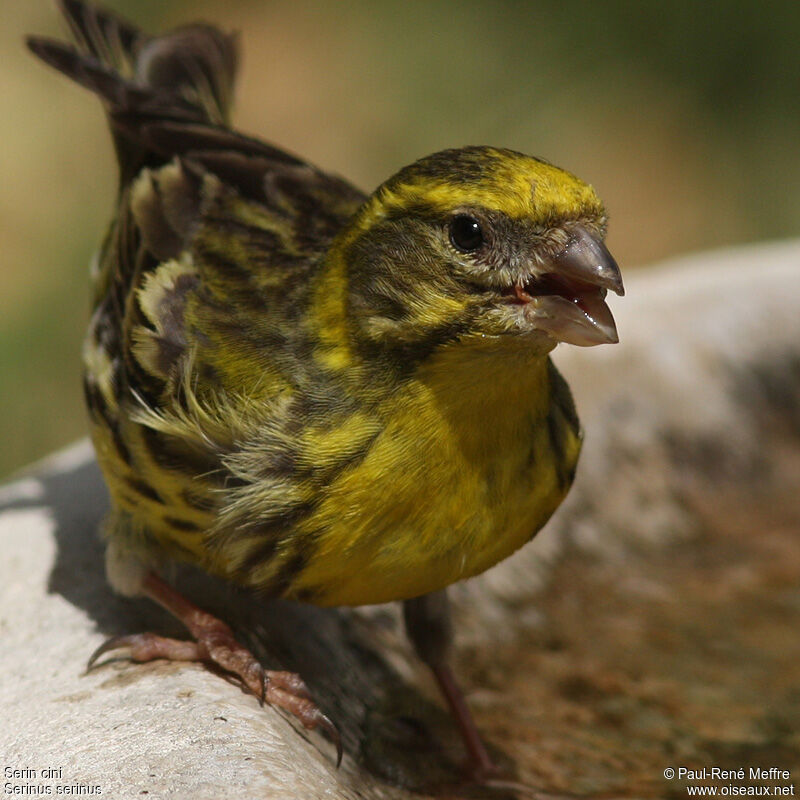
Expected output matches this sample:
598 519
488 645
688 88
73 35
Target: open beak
568 300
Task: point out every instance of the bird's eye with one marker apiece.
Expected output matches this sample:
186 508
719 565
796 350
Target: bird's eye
465 233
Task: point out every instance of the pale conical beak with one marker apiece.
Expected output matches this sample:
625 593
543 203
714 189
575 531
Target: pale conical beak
586 258
567 301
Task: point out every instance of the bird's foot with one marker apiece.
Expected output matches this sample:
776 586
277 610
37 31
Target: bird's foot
215 644
487 775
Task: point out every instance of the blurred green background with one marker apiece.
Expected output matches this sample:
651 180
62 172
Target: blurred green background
685 116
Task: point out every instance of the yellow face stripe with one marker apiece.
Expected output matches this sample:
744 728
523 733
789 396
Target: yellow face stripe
502 181
518 186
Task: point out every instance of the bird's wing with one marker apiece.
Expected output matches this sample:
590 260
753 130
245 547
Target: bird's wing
197 350
216 232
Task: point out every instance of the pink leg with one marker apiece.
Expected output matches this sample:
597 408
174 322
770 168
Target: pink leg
215 643
428 626
481 765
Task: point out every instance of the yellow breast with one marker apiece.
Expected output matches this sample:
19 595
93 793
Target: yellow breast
474 457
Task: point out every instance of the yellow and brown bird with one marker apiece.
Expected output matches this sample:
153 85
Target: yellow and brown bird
325 396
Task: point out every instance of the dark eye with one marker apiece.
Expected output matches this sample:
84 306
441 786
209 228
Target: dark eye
465 233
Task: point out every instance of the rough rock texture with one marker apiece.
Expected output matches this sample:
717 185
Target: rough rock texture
653 624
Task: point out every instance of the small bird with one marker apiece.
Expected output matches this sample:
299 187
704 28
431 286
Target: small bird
324 396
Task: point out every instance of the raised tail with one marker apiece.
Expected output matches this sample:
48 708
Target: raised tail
185 75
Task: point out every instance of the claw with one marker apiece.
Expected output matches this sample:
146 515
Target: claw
109 644
305 710
333 734
264 681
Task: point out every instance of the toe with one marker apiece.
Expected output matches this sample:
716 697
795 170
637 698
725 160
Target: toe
147 647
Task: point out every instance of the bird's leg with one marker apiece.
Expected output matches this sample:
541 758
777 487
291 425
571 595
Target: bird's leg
429 628
215 643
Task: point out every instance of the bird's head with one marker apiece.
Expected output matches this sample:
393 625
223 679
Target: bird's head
480 242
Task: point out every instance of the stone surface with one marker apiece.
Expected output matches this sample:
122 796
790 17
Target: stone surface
652 624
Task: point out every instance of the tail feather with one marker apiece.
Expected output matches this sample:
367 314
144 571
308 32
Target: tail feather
197 60
185 75
103 34
122 96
